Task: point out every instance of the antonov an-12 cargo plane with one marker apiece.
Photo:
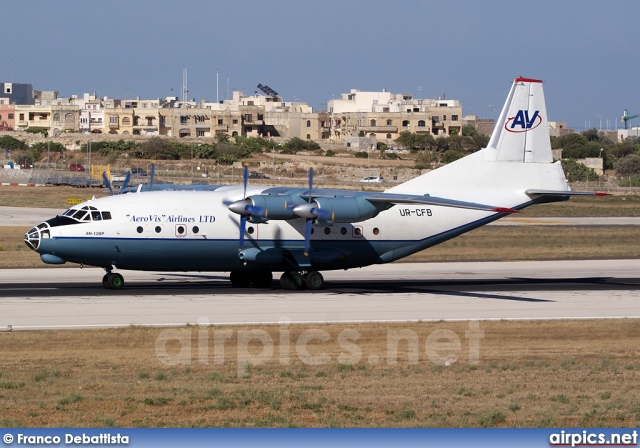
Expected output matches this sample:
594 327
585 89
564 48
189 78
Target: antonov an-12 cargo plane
253 231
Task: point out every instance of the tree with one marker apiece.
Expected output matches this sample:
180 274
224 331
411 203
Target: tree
628 165
8 142
577 171
228 154
297 144
475 140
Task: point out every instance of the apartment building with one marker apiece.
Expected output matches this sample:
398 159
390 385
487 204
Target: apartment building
385 115
7 116
17 93
92 114
178 119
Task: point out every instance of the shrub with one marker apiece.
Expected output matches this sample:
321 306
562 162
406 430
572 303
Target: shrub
8 142
577 172
628 165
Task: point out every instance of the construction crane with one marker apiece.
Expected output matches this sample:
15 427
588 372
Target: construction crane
626 117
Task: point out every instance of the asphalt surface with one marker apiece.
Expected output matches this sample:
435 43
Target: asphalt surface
74 298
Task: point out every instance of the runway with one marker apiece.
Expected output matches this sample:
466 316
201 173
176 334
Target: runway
74 298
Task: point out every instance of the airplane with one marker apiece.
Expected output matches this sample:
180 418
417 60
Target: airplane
253 231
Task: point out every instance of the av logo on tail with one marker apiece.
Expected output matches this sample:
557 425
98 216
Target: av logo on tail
522 122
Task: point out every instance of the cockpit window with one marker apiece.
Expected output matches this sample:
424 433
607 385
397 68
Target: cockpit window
77 214
87 213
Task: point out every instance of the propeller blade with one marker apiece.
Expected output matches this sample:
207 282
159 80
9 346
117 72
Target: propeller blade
152 176
322 213
243 226
256 211
245 180
125 182
307 236
105 179
308 225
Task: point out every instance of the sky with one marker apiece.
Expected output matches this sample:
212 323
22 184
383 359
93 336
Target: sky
467 50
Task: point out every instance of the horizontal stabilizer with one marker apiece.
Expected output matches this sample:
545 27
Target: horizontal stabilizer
564 193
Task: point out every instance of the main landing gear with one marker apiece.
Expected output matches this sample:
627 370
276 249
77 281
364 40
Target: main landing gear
294 280
291 280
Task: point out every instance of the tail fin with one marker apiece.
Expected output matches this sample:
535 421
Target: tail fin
518 157
521 133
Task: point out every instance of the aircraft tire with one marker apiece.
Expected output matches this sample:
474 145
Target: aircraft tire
284 281
104 281
114 281
240 279
314 280
296 280
262 279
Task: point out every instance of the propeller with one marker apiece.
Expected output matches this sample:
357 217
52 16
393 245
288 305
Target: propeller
152 176
125 182
311 212
307 211
245 208
107 183
105 179
243 217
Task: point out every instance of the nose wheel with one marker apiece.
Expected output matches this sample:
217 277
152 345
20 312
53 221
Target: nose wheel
112 281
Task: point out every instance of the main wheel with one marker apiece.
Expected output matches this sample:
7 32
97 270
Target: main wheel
104 281
314 280
296 280
262 279
240 279
114 281
284 281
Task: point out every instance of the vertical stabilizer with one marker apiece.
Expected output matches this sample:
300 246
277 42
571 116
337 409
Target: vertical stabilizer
521 133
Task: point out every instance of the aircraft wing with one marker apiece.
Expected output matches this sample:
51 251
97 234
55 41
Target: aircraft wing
391 198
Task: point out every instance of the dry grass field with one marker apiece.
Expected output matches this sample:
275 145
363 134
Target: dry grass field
523 374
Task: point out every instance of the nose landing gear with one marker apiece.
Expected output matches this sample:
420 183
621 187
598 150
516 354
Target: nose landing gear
112 281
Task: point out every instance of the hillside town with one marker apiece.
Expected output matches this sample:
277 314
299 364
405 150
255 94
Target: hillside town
380 115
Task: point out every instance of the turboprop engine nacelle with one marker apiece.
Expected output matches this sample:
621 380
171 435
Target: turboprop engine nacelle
344 209
267 206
